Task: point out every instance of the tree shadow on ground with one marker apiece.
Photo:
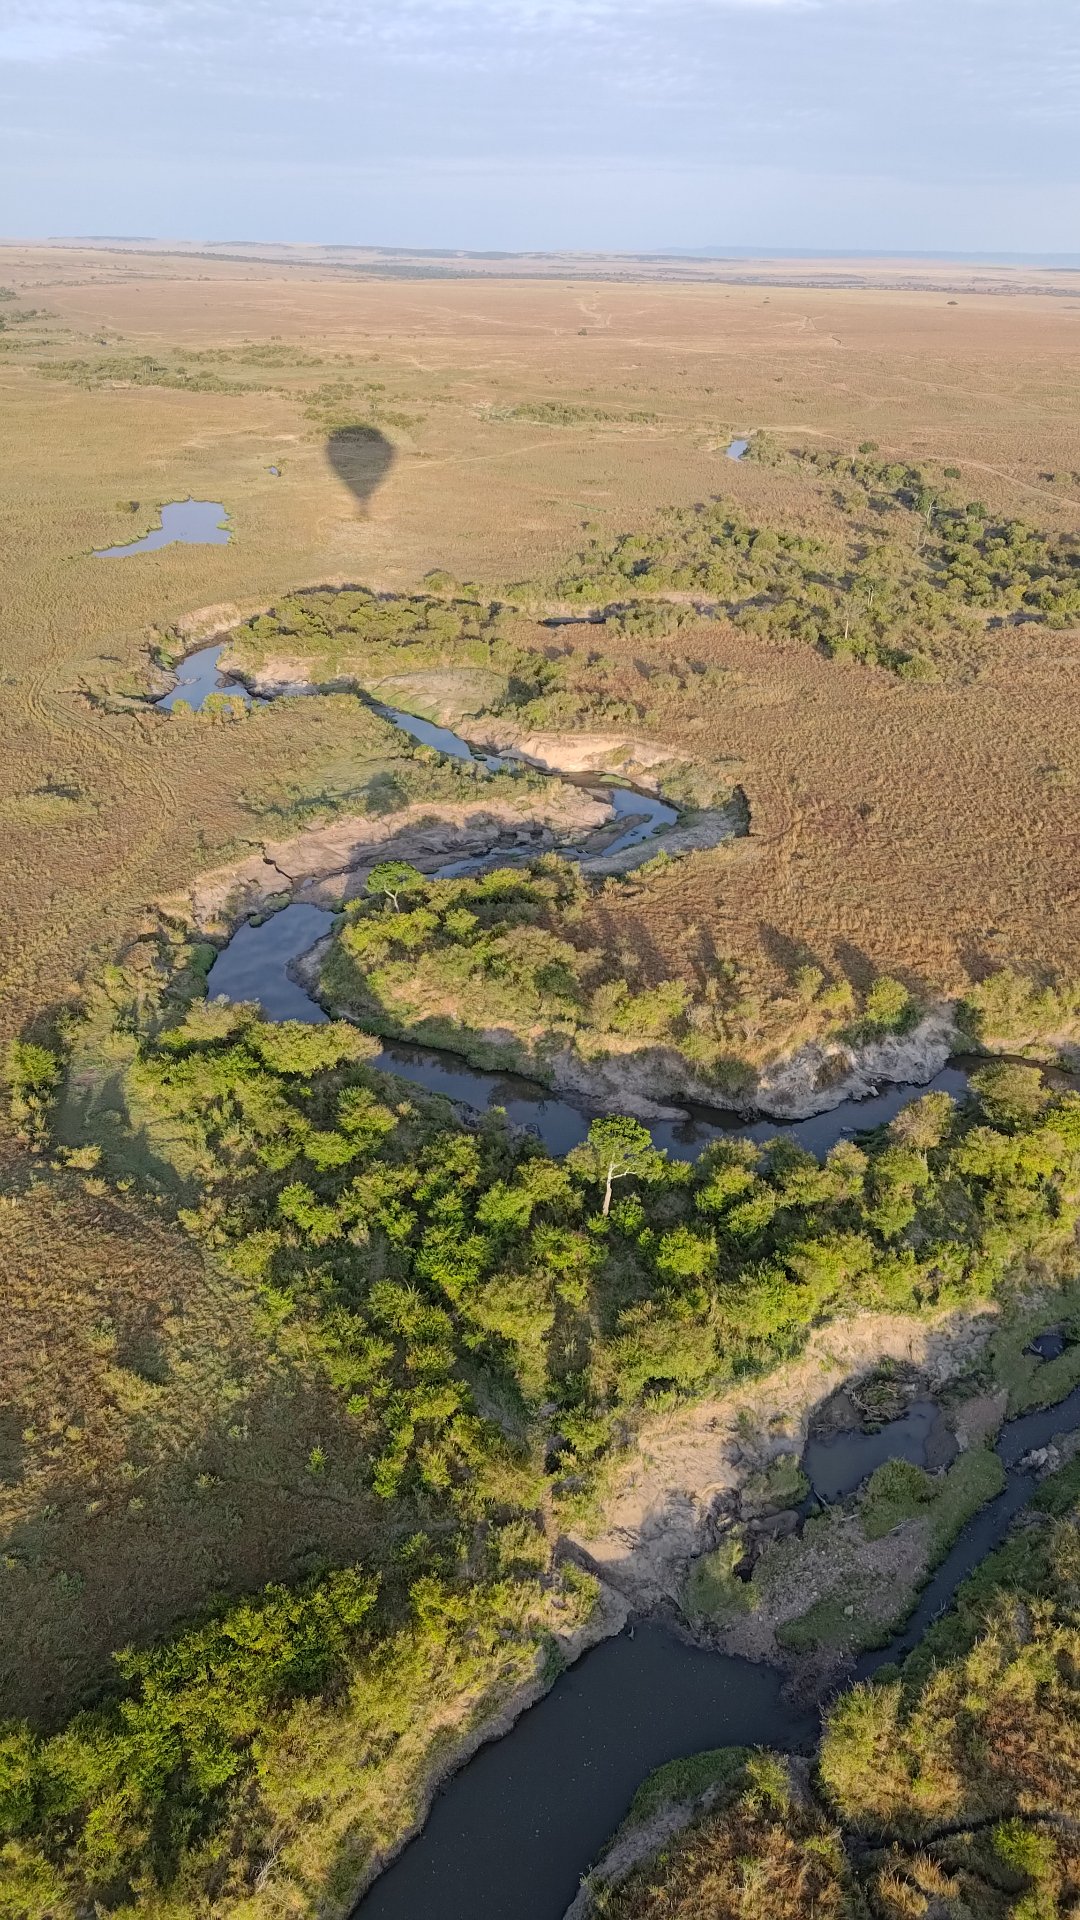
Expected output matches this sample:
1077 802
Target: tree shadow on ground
361 457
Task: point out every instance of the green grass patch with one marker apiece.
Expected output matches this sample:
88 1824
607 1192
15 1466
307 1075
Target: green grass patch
781 1484
1032 1382
847 1618
713 1590
899 1491
828 1623
682 1782
1061 1491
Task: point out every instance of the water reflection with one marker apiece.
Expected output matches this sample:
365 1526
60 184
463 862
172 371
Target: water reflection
193 523
198 677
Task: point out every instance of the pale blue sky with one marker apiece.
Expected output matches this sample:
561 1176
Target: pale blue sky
626 124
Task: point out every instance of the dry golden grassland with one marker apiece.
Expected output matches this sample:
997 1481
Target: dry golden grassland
903 822
926 830
155 1438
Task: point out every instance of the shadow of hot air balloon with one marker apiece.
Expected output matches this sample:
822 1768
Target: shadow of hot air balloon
361 457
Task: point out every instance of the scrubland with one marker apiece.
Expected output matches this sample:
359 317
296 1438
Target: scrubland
204 1391
974 779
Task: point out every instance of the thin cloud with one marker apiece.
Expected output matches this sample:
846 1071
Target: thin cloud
50 30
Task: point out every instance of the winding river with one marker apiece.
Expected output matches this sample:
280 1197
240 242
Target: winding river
512 1833
256 964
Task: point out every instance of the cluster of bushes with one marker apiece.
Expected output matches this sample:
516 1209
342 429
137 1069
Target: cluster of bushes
389 628
951 1789
210 1771
419 1252
143 370
373 637
559 413
913 567
1008 1007
513 950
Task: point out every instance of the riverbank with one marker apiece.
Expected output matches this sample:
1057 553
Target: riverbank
613 1072
686 1787
945 1785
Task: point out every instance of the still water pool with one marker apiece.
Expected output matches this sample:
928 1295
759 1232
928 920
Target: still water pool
193 523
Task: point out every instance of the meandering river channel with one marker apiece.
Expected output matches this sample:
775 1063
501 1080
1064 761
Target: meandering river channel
511 1835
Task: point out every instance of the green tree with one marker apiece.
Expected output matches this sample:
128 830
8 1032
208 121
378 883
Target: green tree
616 1148
392 878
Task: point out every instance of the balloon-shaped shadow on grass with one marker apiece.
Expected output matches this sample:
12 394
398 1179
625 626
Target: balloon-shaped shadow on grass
362 457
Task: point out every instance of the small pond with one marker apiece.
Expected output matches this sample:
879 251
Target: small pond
197 678
737 449
836 1463
1047 1346
255 964
193 523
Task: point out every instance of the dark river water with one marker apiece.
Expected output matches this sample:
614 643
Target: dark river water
254 966
197 677
194 523
837 1463
511 1835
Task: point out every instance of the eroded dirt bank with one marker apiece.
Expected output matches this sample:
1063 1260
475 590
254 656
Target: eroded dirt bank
623 1074
662 1504
325 864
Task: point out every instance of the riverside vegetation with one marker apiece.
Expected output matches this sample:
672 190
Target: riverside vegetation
504 968
183 1470
946 1789
910 575
491 1323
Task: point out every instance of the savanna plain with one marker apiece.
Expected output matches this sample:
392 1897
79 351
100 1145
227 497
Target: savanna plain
336 1420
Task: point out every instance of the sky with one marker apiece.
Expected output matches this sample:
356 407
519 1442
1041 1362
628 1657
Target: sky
627 125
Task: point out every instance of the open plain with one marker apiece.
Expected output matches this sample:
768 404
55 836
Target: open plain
931 829
172 1433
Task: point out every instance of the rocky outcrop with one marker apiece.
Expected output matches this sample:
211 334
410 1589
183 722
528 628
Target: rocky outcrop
622 754
821 1076
624 1076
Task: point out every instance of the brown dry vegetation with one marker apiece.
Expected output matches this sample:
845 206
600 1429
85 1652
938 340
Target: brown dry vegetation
931 830
927 830
154 1442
